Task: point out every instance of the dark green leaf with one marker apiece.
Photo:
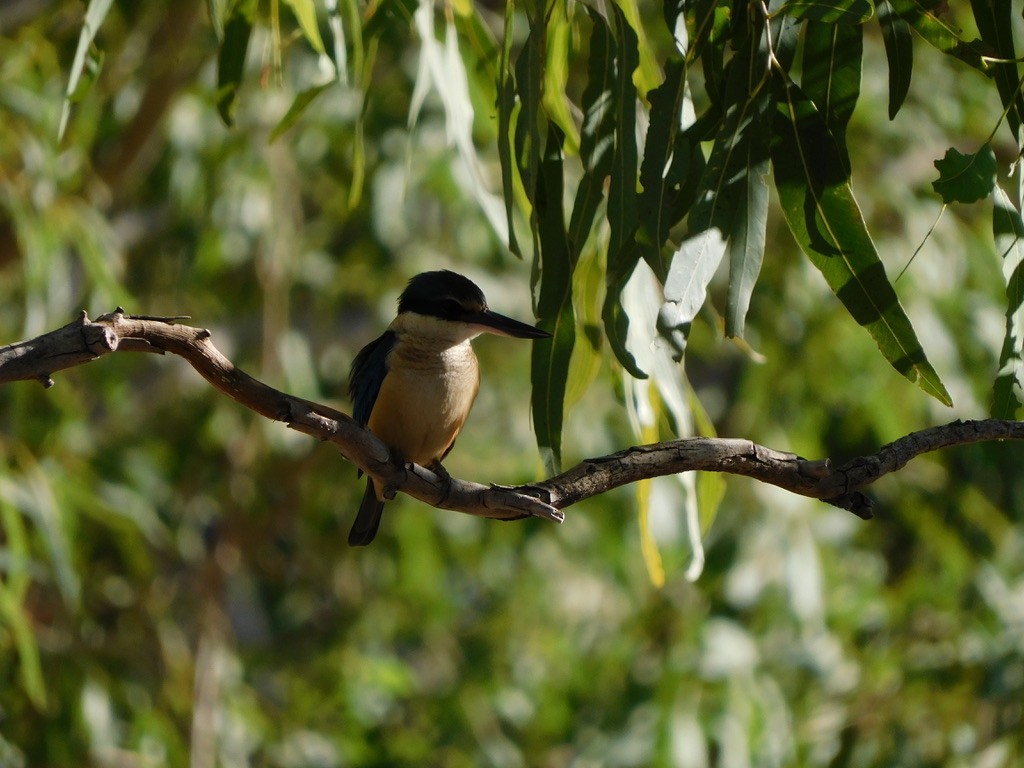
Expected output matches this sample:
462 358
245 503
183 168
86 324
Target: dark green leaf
551 357
741 147
785 35
665 166
823 215
996 28
506 106
622 198
899 51
847 12
531 122
302 101
1008 229
966 178
745 249
707 25
388 16
231 61
597 140
623 252
672 12
831 74
926 19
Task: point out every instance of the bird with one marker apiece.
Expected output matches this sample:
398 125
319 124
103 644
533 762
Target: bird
414 385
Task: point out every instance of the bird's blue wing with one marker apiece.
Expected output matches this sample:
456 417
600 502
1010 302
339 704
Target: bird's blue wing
368 370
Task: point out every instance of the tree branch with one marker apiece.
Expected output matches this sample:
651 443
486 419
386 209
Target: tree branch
83 340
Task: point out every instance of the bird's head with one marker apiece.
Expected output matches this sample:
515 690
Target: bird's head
449 296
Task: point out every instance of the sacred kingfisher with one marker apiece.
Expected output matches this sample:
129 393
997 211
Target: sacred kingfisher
413 386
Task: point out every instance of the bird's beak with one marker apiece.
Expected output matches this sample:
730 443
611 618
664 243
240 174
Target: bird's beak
492 322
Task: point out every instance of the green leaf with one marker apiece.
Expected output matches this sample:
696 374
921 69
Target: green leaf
710 485
506 109
740 148
231 61
90 73
20 626
216 10
13 587
926 19
666 166
623 252
597 136
1008 229
531 122
648 69
899 52
389 15
556 75
824 217
784 37
587 291
94 16
996 27
745 249
299 105
831 74
550 361
966 178
846 12
305 13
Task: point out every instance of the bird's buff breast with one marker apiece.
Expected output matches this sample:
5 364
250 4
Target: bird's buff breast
425 397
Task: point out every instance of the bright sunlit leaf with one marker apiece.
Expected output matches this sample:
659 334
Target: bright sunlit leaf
305 13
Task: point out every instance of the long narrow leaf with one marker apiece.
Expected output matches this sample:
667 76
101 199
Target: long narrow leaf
531 121
665 166
623 252
831 74
296 110
996 27
305 13
845 12
899 52
231 61
597 136
1008 228
722 192
550 364
556 75
927 21
823 215
94 16
13 588
745 249
506 107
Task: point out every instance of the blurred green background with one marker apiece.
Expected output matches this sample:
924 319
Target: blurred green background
174 584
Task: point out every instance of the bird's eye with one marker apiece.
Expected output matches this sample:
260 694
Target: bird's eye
452 307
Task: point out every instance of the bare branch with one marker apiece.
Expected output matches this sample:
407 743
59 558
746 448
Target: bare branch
83 340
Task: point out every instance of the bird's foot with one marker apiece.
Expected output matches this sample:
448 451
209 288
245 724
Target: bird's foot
438 469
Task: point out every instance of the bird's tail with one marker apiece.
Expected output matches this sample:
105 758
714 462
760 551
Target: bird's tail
367 519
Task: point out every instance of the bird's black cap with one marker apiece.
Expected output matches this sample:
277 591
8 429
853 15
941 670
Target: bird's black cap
450 296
